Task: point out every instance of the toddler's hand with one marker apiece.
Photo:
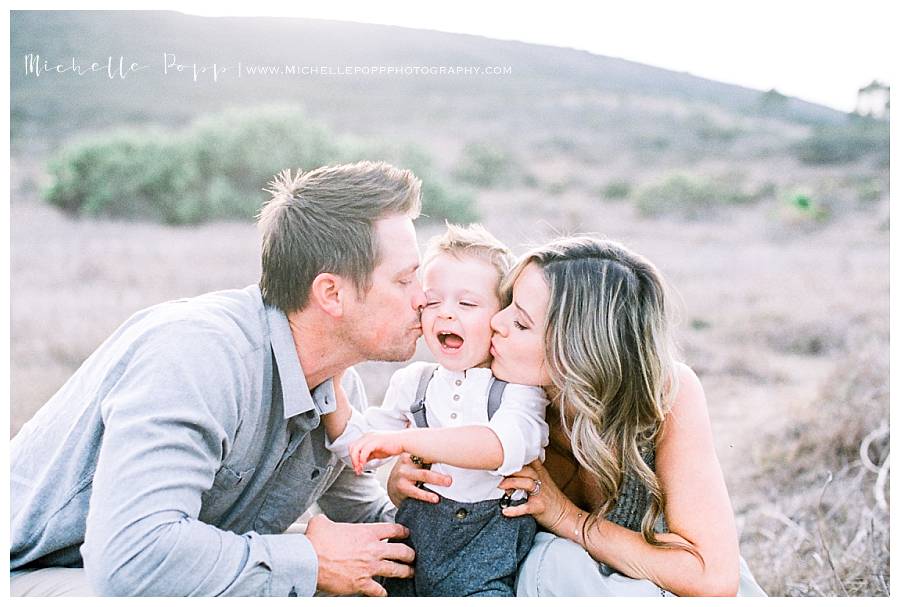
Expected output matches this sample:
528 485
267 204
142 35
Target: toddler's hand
375 445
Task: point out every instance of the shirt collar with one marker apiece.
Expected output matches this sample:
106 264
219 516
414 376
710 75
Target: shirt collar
294 389
473 373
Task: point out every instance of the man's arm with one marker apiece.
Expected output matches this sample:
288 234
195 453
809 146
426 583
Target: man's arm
169 421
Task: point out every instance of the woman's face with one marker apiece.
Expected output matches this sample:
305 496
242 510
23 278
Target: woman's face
518 341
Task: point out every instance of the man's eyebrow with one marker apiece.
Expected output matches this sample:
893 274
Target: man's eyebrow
524 313
408 269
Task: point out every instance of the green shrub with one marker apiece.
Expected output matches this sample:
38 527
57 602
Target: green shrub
856 138
800 206
486 166
708 130
617 189
691 196
217 167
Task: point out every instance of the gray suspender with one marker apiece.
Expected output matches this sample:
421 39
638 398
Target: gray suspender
495 395
418 408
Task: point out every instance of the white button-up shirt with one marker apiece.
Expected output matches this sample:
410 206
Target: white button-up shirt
458 399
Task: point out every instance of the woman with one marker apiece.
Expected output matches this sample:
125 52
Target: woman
630 495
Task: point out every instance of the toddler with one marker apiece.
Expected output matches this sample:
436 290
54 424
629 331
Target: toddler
475 428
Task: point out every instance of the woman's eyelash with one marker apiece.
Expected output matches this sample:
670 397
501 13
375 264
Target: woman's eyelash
519 325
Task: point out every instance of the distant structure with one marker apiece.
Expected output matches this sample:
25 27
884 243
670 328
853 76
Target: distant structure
874 100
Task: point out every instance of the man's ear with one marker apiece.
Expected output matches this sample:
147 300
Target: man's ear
329 292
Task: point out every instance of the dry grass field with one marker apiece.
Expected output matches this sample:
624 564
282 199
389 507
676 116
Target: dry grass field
786 326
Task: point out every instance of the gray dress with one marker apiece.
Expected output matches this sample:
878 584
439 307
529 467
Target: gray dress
557 566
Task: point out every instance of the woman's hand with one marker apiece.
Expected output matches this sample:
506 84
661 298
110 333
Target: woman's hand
549 506
402 483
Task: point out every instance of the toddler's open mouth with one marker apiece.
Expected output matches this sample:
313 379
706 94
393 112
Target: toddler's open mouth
450 342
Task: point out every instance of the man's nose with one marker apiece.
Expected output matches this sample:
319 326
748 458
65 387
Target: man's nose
419 300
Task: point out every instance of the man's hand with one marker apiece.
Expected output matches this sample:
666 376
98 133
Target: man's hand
404 477
350 555
375 445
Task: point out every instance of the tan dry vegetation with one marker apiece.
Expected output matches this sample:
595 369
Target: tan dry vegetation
786 324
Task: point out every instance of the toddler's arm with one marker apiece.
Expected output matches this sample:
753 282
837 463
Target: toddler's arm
514 437
345 425
336 422
476 447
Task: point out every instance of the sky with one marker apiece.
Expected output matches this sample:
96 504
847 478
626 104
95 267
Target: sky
818 51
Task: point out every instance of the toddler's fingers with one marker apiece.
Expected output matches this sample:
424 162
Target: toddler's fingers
365 454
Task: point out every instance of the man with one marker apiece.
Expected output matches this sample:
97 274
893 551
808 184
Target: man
176 456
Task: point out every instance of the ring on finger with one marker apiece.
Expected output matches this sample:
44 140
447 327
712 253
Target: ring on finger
536 489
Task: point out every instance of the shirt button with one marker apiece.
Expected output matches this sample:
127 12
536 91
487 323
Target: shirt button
462 513
456 397
453 416
315 474
458 382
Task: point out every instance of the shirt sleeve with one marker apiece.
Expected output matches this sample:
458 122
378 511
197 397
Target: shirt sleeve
352 498
520 426
392 415
169 420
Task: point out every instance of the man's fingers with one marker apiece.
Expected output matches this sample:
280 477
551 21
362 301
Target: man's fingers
395 551
428 476
387 531
392 569
372 588
410 490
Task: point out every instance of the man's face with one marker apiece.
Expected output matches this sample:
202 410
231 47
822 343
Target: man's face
385 324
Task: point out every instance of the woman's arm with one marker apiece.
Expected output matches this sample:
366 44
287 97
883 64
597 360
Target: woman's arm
698 510
475 447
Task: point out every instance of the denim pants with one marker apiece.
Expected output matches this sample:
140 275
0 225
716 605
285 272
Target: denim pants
462 549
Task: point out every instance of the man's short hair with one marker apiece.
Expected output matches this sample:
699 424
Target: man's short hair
323 221
473 240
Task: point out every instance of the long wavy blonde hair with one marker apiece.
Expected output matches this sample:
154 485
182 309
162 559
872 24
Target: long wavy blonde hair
611 356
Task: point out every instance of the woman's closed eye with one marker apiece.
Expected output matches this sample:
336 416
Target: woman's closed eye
519 325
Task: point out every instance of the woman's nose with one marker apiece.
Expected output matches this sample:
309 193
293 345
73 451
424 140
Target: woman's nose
497 324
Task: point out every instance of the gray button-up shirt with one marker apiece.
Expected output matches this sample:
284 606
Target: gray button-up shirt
171 462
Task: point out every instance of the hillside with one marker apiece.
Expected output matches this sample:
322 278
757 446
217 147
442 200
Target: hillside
55 104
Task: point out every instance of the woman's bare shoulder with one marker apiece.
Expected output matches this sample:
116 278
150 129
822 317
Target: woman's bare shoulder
688 406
